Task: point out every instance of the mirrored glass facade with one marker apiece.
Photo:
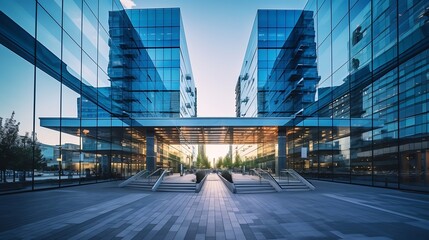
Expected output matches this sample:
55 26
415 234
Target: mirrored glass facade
372 64
279 75
92 68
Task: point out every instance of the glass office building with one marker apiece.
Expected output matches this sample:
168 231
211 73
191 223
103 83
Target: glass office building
279 75
89 65
372 66
372 59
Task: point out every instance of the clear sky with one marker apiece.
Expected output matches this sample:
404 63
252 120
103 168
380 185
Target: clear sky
217 33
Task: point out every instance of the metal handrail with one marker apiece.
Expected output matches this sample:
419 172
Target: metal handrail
137 175
297 176
270 178
157 171
153 173
159 180
257 173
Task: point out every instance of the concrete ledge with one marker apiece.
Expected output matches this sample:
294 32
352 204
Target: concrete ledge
228 184
200 185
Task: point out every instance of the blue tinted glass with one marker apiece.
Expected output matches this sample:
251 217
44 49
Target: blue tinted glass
262 18
93 4
143 17
89 71
324 59
71 56
263 54
105 7
159 17
49 36
89 29
73 18
339 9
175 17
281 18
324 21
167 17
103 49
290 19
16 9
272 18
151 17
54 8
340 44
262 34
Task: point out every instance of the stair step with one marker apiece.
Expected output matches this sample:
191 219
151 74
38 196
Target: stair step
176 187
175 190
260 191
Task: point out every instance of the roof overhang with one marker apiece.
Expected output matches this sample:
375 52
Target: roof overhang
221 130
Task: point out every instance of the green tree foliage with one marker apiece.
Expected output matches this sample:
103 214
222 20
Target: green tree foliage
219 162
202 161
17 152
238 162
227 161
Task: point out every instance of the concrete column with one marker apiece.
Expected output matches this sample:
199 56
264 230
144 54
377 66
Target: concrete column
281 158
150 150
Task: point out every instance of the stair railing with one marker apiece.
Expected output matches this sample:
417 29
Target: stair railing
154 176
297 176
267 176
159 180
138 175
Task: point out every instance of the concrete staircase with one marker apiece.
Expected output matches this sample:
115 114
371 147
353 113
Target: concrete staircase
176 187
251 186
293 185
143 184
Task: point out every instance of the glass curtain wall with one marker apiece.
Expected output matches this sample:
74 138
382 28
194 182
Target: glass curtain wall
372 65
58 59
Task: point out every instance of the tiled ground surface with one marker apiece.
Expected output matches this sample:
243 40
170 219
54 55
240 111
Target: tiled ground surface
104 211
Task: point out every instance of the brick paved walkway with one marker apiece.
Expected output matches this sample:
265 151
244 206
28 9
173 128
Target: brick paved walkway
104 211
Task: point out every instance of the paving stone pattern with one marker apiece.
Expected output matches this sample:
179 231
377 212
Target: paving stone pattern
104 211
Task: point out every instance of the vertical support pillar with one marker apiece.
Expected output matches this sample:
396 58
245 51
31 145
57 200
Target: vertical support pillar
161 153
281 143
150 150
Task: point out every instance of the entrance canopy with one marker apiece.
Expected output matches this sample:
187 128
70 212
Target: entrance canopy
199 130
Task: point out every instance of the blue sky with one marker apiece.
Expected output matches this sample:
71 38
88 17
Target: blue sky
217 33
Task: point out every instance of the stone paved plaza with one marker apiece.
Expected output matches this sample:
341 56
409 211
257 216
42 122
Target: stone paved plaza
104 211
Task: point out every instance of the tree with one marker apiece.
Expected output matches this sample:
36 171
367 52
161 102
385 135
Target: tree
199 160
8 139
17 152
237 162
202 161
219 162
227 161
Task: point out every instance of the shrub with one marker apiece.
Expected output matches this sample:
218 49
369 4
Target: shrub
225 174
200 175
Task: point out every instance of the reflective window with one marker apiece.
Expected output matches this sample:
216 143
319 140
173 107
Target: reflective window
73 19
54 8
324 21
48 105
16 9
90 25
339 10
340 44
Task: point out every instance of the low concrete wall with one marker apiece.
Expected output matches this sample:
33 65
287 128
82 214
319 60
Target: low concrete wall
200 185
228 184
